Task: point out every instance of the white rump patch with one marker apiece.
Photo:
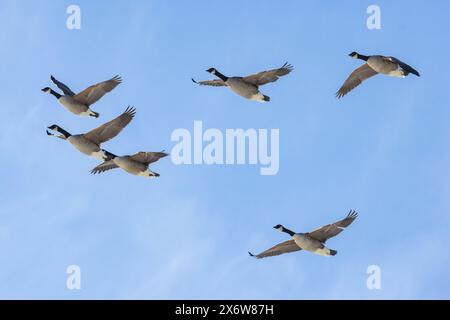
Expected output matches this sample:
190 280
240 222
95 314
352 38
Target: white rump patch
100 155
323 252
85 114
397 73
147 174
258 97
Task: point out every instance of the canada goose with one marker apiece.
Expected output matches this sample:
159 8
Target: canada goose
90 143
137 164
247 87
389 66
311 241
79 103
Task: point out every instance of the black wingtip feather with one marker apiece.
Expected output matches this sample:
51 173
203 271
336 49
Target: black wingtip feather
131 110
352 214
287 66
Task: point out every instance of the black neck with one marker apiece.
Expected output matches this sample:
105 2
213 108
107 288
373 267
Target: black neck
56 94
63 132
363 57
289 232
109 155
221 76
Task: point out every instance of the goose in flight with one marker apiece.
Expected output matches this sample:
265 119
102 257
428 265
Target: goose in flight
79 103
137 164
311 241
389 66
90 143
247 87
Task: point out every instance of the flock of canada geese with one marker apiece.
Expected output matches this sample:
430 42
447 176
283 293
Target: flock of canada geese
248 87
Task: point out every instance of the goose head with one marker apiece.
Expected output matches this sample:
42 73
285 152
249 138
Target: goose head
64 133
212 70
279 227
46 89
354 55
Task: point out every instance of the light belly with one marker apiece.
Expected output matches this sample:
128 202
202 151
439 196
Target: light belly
74 106
307 243
243 89
130 166
87 147
389 69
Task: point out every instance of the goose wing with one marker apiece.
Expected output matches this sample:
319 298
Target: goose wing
148 157
62 87
284 247
404 66
355 79
331 230
264 77
213 83
105 166
112 128
95 92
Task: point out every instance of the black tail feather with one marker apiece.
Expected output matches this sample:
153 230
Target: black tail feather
95 114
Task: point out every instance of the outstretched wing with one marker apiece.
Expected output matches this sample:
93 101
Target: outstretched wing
148 157
326 232
105 166
284 247
62 86
355 79
264 77
112 128
95 92
214 83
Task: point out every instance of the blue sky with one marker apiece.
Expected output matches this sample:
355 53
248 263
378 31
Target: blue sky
383 150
